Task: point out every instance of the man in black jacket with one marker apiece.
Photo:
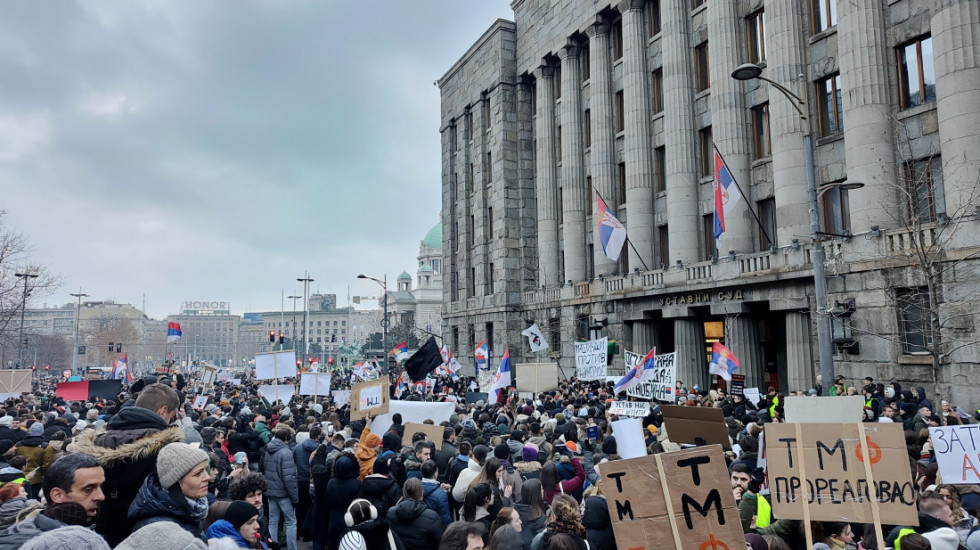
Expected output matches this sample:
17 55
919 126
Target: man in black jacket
446 453
283 491
321 470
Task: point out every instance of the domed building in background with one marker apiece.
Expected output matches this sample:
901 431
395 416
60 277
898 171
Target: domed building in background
421 301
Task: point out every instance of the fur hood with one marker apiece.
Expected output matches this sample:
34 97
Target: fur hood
525 468
141 448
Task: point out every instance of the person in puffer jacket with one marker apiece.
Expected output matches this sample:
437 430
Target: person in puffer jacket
342 490
412 521
176 492
283 491
380 489
432 493
595 518
240 523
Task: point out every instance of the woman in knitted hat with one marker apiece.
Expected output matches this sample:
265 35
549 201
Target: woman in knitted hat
176 492
240 524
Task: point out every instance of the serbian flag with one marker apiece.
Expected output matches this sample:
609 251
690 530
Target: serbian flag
723 362
399 352
635 374
89 390
726 194
481 355
501 380
400 385
612 234
173 332
120 370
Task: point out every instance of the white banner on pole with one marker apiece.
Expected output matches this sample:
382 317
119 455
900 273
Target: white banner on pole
284 392
340 397
276 364
629 437
311 383
412 411
635 409
591 358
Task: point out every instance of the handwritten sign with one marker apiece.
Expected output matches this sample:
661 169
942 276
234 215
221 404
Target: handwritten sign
369 398
537 377
282 392
737 386
200 402
591 358
957 453
208 376
819 470
340 397
663 376
637 409
684 493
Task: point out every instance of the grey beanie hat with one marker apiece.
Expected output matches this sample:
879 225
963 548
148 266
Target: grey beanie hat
36 429
72 537
176 460
162 536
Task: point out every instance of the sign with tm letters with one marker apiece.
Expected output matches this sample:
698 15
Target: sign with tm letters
684 493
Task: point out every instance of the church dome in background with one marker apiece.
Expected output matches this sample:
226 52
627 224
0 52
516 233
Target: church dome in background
433 238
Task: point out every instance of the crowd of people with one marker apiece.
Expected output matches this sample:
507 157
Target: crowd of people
146 471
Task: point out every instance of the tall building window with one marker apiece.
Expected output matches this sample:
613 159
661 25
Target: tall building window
472 233
455 337
617 39
471 284
653 16
831 120
489 341
561 205
824 14
588 195
469 125
702 72
489 166
707 164
586 63
836 211
453 187
710 245
557 82
454 286
657 90
761 147
755 27
620 112
488 280
588 128
558 135
663 248
454 236
621 179
698 3
916 72
453 138
490 222
660 168
534 98
766 209
590 263
914 319
924 185
472 180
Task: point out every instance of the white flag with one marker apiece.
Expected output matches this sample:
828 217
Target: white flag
535 338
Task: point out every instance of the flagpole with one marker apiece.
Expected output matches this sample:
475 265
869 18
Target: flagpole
635 251
739 187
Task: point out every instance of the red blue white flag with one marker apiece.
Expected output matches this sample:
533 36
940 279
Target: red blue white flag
173 332
723 362
612 234
501 380
726 195
635 374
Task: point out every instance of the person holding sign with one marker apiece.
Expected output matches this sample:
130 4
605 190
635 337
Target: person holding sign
367 450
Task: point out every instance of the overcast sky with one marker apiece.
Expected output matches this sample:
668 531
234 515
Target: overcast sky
215 150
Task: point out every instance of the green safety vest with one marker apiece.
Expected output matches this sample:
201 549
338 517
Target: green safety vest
772 409
902 533
763 512
18 480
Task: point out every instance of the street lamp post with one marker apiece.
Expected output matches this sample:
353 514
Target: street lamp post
294 298
306 280
23 310
384 314
78 310
749 71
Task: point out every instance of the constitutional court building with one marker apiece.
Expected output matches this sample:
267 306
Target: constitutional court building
629 100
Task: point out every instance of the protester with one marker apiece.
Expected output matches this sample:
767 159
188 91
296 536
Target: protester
412 521
343 488
240 522
366 531
283 490
565 518
176 492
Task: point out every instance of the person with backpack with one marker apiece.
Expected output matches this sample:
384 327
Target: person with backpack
412 521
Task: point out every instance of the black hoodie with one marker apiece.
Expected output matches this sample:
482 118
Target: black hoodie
598 526
382 492
415 524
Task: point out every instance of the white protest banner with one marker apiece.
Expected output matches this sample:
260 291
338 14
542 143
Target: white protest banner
207 378
282 392
636 409
752 395
369 398
311 383
340 397
413 411
591 358
676 500
664 374
224 376
824 410
275 364
957 453
200 402
629 437
236 381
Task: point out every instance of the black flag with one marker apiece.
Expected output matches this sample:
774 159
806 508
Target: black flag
423 361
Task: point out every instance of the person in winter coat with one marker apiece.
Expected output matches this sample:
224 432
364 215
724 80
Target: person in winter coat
433 494
529 467
321 470
262 430
367 451
552 486
8 431
445 455
176 492
380 489
240 523
366 531
533 511
412 521
473 468
301 456
39 456
283 492
564 518
476 507
13 501
459 463
245 440
342 490
595 519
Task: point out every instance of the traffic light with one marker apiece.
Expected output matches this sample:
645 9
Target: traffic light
299 363
111 345
118 348
282 337
47 367
33 367
272 337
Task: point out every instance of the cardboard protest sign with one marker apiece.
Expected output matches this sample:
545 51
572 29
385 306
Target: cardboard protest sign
275 364
817 472
629 437
637 409
413 411
314 383
15 382
432 432
823 410
200 402
696 425
340 397
282 392
369 398
536 377
208 376
737 386
957 453
675 500
591 358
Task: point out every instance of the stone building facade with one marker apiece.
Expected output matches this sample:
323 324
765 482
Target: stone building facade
629 100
